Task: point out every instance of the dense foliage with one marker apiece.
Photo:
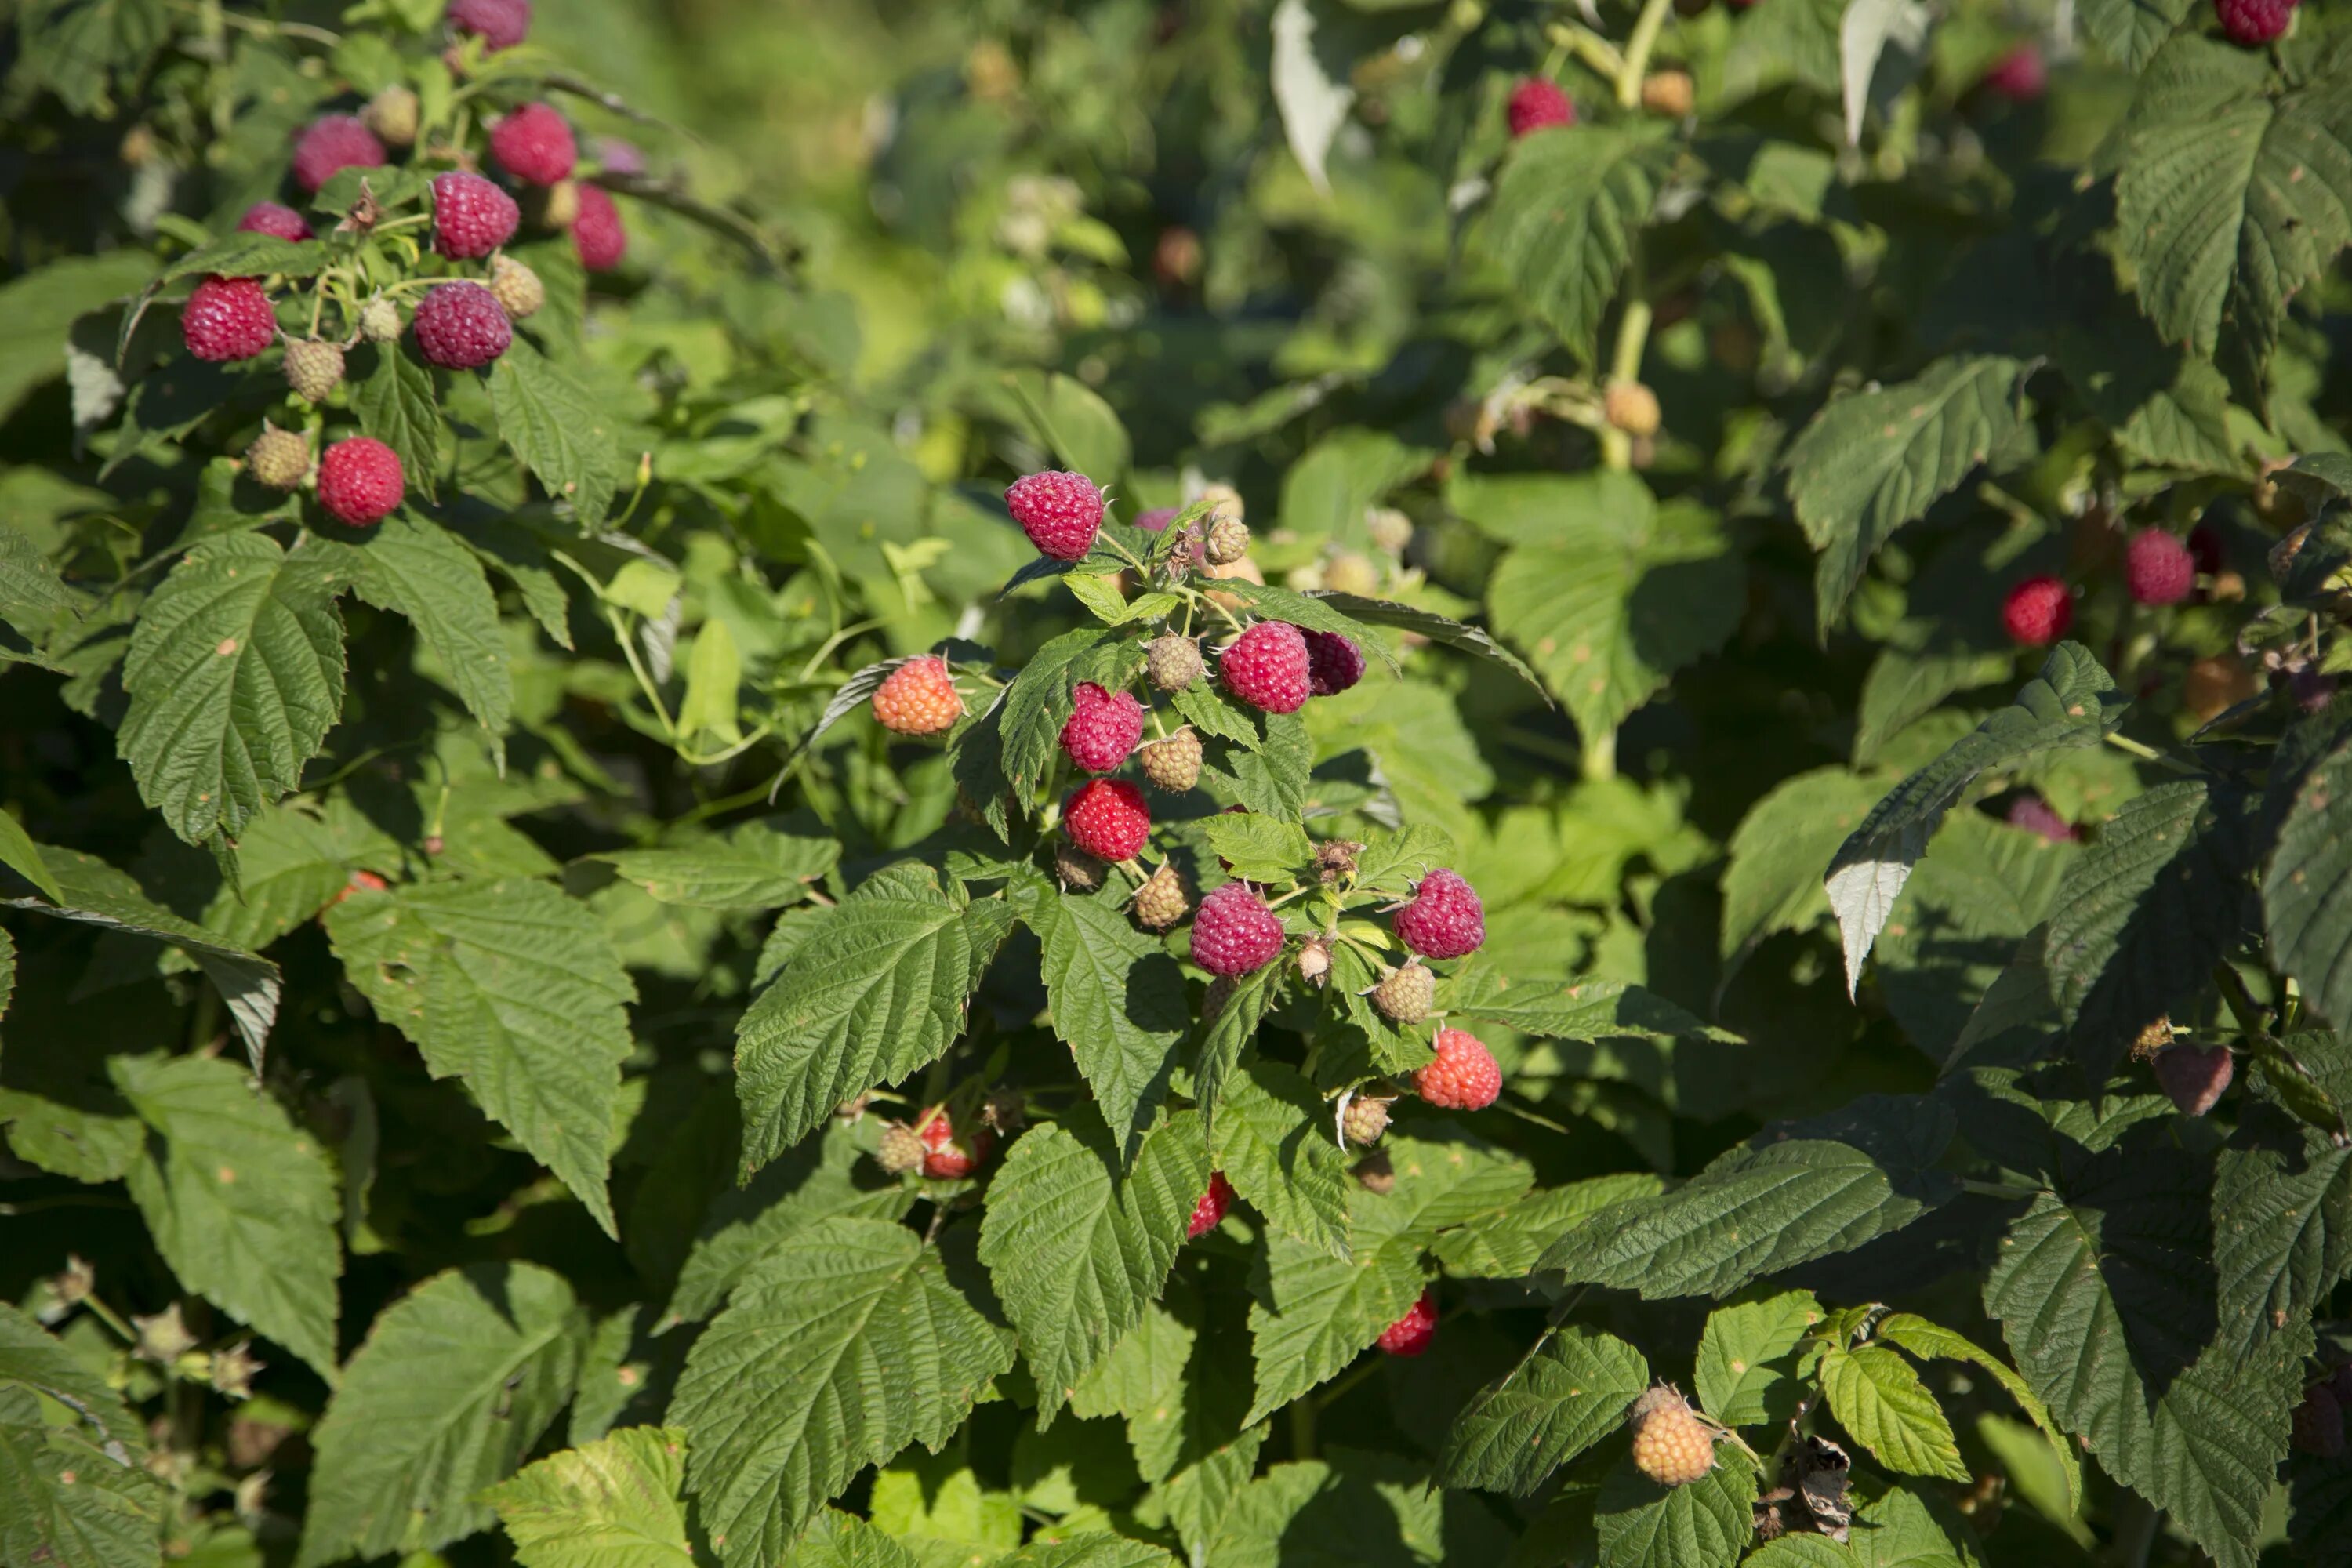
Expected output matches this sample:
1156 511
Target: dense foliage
1270 784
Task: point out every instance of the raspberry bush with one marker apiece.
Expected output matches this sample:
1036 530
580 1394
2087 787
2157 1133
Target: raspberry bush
1245 781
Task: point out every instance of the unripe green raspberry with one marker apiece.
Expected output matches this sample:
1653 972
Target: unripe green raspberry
1173 662
902 1150
278 459
516 287
1161 902
1405 996
1391 530
1228 541
1349 572
392 115
314 367
1172 765
1366 1117
380 320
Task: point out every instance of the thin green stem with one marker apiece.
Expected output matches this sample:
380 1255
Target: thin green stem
101 1311
2149 754
1637 51
637 668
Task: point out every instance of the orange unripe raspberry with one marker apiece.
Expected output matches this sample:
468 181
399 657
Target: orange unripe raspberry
1671 1445
1631 407
919 697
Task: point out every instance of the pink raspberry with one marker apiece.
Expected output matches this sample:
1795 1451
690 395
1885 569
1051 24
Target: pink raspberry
1443 919
1464 1076
948 1157
596 232
360 481
328 145
1267 667
471 216
1539 104
2159 568
1411 1334
228 318
2019 76
534 144
1233 932
2253 22
1061 512
1103 728
619 157
1107 819
1334 662
1157 519
2038 611
2194 1076
499 23
274 219
1210 1212
461 326
2031 813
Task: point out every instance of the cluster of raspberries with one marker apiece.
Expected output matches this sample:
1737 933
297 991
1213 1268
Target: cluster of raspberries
2159 568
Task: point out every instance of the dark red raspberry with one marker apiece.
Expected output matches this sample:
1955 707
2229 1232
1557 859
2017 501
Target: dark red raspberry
534 144
1233 932
1267 667
596 232
461 326
1210 1212
228 318
1103 728
2038 611
1443 919
1464 1076
2031 813
499 23
1061 512
2159 568
331 143
1107 819
274 219
2194 1076
2019 76
471 216
1539 104
2253 22
950 1157
1334 662
360 481
1411 1334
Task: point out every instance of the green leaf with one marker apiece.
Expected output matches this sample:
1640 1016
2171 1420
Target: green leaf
396 404
1566 210
1041 698
1932 1341
2131 31
1118 1000
1322 1312
1437 628
1644 1525
1773 882
1209 710
1873 461
1977 901
1262 849
290 865
714 673
1076 1250
1272 780
560 430
1569 1010
454 1384
1877 1397
76 1495
2307 892
1143 1379
38 308
421 571
235 675
2071 704
1274 1139
1746 1357
32 596
1569 1395
242 1204
514 988
805 1379
1071 419
1505 1243
1226 1032
612 1504
1620 596
1906 683
22 856
879 990
1087 1549
756 867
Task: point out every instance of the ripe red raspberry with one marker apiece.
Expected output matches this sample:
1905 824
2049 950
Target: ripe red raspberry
471 216
1539 104
274 219
919 697
1107 819
596 231
1233 932
950 1157
1102 728
328 145
534 144
360 481
1210 1212
2038 611
2031 813
461 326
1443 917
1061 512
2253 22
1268 667
1464 1076
2194 1076
1161 902
2159 568
499 23
1670 1446
1334 663
1405 994
228 318
2019 76
1174 763
1411 1334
